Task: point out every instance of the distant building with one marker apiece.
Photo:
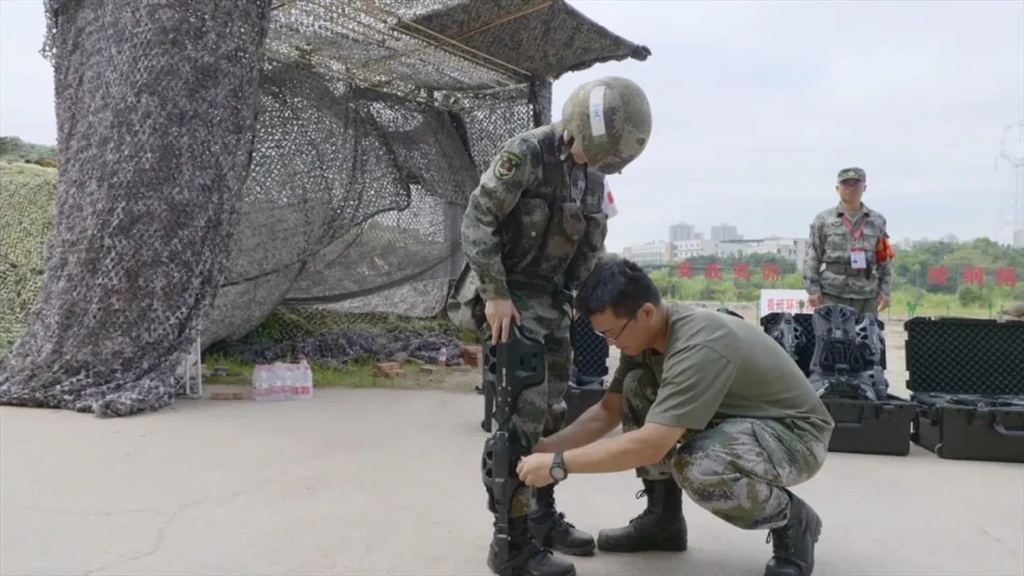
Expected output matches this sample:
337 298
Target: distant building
793 249
656 253
681 232
1018 238
701 247
724 233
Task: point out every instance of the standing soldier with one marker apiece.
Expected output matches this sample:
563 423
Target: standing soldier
533 228
849 257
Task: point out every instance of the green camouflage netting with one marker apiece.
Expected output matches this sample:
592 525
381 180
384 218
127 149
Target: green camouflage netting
26 193
237 155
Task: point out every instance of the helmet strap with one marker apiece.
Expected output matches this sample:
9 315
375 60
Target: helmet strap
568 141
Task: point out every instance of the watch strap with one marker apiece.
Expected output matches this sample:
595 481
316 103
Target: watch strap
559 462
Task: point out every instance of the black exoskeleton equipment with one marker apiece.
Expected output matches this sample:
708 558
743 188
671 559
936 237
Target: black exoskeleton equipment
520 365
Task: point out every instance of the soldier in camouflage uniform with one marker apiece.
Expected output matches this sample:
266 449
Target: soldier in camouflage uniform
710 405
842 264
533 228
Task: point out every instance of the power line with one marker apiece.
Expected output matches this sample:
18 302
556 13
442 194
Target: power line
1017 164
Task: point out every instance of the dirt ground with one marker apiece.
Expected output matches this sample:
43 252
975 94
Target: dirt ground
368 481
296 488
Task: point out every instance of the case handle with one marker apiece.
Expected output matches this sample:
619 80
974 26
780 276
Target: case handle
1001 429
883 414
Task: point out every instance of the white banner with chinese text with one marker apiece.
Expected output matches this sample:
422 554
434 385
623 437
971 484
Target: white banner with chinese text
792 301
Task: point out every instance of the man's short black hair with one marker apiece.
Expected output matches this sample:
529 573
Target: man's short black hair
616 284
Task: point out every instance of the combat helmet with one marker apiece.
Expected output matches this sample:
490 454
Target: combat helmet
611 119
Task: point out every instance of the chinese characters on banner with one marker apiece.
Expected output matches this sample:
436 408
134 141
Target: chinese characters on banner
974 275
791 305
741 271
771 272
792 301
937 275
1006 277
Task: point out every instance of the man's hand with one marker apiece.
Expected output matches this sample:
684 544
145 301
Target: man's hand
535 470
500 315
883 302
814 300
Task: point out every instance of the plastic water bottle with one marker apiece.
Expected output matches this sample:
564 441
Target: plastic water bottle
303 380
289 381
442 356
264 384
279 382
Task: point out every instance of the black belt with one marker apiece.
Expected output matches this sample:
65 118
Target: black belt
533 285
541 286
845 270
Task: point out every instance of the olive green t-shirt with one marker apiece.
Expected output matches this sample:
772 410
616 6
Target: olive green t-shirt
717 366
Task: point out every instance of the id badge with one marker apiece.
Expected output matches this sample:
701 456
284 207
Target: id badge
858 259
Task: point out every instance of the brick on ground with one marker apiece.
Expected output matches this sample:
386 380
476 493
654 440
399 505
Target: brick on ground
471 355
387 370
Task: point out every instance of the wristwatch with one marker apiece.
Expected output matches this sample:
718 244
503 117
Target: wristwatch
558 471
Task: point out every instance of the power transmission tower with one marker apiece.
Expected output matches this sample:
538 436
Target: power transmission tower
1017 165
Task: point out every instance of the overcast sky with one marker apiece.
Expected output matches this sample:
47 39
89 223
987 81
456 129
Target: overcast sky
757 105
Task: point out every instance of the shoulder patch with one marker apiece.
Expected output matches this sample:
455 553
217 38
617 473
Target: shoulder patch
508 164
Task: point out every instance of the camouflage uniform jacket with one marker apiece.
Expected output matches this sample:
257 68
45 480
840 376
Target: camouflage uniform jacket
535 218
831 242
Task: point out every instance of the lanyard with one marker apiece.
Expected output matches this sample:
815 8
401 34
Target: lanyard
849 226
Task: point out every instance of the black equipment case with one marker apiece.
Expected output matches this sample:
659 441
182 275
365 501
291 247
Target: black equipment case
861 426
864 427
588 381
967 375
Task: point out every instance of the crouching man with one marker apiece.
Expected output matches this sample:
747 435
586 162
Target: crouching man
709 405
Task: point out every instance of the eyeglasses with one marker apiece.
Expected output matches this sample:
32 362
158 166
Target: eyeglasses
618 333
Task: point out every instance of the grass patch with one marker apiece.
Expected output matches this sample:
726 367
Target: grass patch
294 322
355 374
27 193
288 324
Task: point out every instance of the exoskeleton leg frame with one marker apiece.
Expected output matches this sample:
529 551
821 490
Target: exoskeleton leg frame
520 366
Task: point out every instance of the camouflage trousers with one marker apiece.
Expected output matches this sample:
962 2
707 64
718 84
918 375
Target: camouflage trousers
860 305
737 467
539 411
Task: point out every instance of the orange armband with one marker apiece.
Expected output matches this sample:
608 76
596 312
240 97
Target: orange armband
884 250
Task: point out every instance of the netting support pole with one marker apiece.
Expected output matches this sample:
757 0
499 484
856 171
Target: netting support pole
540 101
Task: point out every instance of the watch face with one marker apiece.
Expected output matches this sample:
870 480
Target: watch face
558 473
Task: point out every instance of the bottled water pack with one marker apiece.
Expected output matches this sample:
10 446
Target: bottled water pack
281 381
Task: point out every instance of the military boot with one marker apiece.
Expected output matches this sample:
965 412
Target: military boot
526 556
661 526
553 531
793 544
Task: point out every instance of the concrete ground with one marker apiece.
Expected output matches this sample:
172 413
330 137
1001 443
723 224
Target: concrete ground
371 482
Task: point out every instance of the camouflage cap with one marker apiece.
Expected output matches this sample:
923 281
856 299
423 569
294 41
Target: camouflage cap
852 174
611 119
